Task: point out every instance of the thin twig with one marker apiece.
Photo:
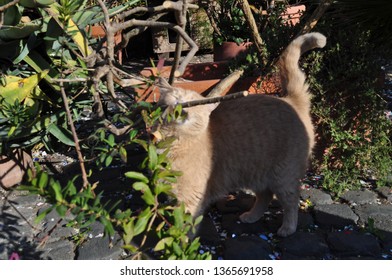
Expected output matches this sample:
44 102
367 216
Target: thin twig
151 10
73 80
214 99
8 5
75 136
210 100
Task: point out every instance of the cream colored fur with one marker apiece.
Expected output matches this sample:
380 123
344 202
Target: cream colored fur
259 142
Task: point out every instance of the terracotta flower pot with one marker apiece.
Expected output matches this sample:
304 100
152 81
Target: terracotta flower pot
229 50
293 14
203 77
98 31
13 167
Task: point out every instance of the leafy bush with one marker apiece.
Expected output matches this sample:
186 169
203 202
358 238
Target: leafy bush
353 133
160 218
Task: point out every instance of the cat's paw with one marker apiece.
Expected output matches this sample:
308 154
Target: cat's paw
249 217
286 230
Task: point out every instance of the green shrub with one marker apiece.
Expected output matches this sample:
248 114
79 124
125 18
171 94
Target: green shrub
353 133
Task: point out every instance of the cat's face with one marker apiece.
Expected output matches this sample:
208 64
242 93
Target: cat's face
193 121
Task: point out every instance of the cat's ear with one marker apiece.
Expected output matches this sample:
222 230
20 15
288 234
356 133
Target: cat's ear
164 85
211 107
166 93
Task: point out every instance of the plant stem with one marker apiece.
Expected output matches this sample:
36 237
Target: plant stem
75 136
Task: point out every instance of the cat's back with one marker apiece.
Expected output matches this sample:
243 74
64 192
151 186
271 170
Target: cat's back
257 129
254 111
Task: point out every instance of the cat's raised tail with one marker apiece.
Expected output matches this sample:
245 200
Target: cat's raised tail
293 80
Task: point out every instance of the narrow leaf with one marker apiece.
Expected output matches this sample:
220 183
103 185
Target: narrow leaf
62 134
137 176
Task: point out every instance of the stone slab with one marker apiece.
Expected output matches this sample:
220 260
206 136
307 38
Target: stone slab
247 248
304 245
59 250
334 215
385 192
316 196
381 215
353 244
360 197
99 248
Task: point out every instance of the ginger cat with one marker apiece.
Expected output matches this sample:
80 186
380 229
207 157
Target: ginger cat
258 142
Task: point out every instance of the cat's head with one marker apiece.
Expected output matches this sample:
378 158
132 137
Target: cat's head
193 121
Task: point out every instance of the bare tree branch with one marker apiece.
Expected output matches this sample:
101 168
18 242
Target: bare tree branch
180 14
225 83
315 17
253 27
176 28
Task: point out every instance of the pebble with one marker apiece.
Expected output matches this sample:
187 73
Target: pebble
262 236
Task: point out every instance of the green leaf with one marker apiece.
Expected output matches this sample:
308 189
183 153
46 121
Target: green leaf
160 226
152 157
111 141
137 176
61 210
198 220
108 160
132 134
35 3
18 31
62 134
57 191
21 89
109 230
11 15
129 231
43 180
162 188
194 245
169 175
167 241
179 216
148 197
142 221
43 214
140 186
177 249
123 154
141 143
131 248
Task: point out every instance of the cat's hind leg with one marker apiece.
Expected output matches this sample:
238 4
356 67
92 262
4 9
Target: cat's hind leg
289 201
263 198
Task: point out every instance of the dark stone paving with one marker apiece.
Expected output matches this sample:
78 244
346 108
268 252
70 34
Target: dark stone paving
357 226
